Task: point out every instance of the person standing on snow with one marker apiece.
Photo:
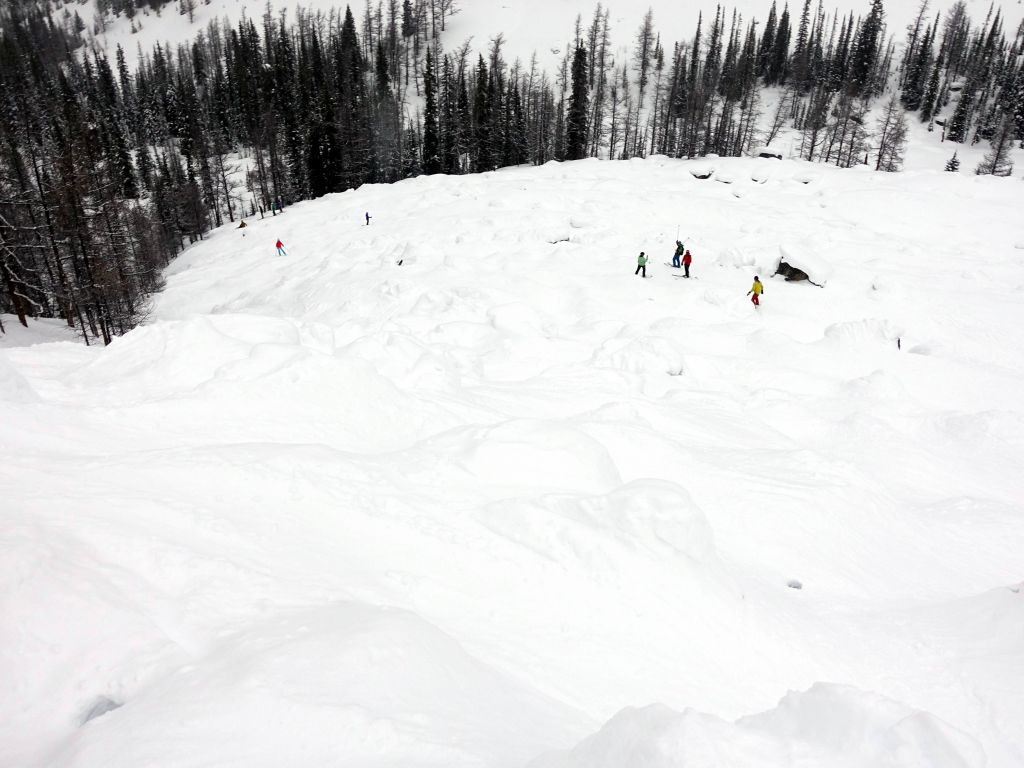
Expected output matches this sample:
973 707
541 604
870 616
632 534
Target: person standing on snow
280 249
641 264
755 291
687 260
677 254
368 217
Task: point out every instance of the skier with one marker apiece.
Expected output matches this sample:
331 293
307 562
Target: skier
641 264
280 249
687 260
677 254
368 217
755 291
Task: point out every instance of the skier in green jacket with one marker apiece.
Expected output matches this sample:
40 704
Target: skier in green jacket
678 254
641 264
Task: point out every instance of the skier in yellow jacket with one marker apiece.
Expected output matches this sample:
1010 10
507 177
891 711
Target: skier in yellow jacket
755 291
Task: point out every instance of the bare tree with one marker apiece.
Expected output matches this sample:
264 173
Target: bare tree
997 160
782 112
892 136
642 55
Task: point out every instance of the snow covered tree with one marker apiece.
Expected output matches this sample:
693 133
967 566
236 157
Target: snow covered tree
953 164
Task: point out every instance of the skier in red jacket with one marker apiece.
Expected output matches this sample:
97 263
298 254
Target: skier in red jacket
687 260
280 249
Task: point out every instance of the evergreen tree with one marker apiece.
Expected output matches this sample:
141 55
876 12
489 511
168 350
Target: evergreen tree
353 119
953 164
956 129
915 77
778 65
767 44
865 54
929 101
431 142
576 122
801 61
482 120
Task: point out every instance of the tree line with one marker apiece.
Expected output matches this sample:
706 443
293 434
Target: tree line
108 170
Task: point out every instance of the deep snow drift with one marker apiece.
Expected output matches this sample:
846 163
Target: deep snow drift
328 510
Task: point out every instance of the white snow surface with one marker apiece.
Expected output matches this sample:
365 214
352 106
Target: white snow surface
38 331
324 509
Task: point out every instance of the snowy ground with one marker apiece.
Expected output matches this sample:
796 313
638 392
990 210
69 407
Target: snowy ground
38 331
329 510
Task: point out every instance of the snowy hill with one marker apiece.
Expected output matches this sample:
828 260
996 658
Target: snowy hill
458 489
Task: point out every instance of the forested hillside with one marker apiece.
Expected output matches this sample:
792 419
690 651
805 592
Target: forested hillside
107 171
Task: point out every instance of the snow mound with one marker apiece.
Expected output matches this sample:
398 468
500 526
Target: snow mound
356 679
13 386
644 354
827 725
529 453
655 520
869 331
737 258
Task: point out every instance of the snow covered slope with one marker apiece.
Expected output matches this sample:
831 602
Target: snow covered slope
329 509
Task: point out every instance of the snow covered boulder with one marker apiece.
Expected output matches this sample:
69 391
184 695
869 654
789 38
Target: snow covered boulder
702 171
768 153
805 177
